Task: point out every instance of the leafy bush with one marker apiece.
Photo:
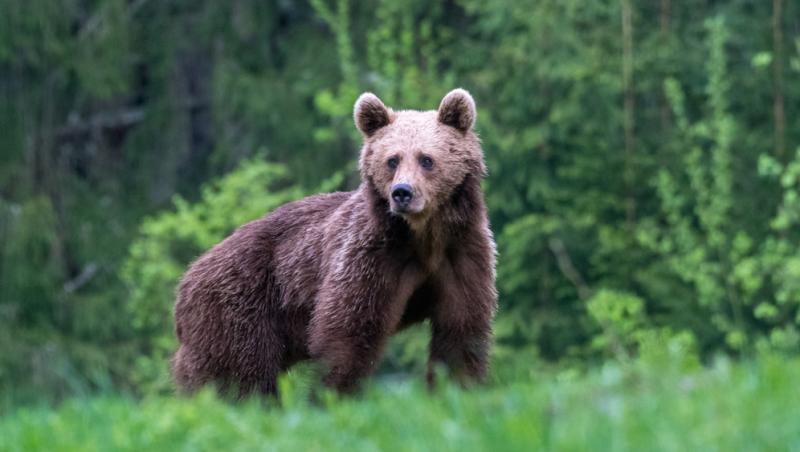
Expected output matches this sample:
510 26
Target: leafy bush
746 290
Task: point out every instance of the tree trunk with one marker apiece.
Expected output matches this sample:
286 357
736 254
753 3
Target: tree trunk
629 105
664 22
777 78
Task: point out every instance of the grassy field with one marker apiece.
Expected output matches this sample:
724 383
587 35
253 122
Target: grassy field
636 406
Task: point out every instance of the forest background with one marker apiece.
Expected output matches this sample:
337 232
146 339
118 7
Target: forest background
643 162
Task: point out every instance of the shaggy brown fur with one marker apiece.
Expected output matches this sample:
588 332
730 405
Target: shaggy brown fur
332 276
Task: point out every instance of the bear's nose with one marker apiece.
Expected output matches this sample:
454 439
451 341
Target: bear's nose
402 194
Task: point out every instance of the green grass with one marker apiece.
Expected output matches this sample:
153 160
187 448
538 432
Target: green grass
636 406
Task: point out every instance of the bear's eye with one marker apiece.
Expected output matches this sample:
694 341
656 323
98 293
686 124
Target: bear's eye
392 162
426 162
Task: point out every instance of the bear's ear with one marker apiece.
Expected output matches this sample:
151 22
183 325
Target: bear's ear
370 114
458 110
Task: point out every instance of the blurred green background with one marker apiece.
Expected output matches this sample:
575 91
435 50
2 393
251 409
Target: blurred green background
643 158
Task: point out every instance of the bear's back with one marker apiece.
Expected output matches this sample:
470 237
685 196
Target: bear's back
298 243
246 259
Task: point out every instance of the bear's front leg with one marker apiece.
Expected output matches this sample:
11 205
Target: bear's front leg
462 320
352 322
349 353
348 339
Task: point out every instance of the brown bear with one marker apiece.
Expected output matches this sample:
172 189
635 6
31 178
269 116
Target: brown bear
332 276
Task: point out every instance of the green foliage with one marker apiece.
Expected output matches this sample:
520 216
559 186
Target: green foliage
655 405
658 209
706 241
625 332
620 317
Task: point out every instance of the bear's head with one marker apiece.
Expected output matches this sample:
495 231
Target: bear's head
415 160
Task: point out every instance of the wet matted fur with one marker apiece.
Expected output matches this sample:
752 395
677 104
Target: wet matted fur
332 276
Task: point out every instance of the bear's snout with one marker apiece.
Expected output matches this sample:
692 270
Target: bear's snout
402 194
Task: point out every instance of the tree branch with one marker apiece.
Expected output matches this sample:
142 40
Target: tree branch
568 269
